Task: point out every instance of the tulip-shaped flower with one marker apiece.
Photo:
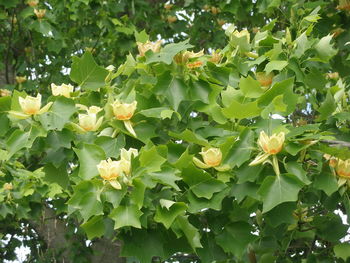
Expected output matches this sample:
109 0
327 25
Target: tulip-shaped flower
30 106
212 157
125 159
20 79
40 13
144 47
110 171
33 3
264 79
89 121
62 90
124 112
271 145
343 169
333 161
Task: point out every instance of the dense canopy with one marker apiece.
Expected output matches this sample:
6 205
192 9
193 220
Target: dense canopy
179 131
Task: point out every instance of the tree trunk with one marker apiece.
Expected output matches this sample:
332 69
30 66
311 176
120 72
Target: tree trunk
53 231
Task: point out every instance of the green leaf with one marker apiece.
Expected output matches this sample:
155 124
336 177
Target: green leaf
297 169
141 36
191 137
235 238
191 233
325 49
138 192
167 215
241 149
200 90
196 204
242 111
151 159
176 93
279 189
167 53
57 175
342 251
275 65
328 106
151 245
86 199
201 183
302 45
167 176
95 227
86 73
326 182
210 252
250 87
59 114
89 156
111 146
126 216
282 214
17 140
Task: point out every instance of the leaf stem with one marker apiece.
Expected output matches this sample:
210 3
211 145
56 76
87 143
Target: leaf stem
275 165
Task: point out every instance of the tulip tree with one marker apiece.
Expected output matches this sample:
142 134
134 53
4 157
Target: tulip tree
173 153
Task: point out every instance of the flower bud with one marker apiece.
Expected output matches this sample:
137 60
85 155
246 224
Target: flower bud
344 5
123 111
20 79
264 79
110 68
63 90
272 144
221 22
332 75
110 170
8 186
5 92
343 168
215 10
40 13
144 47
168 6
211 156
171 19
125 159
33 3
215 58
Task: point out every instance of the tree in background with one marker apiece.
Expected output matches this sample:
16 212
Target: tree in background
191 131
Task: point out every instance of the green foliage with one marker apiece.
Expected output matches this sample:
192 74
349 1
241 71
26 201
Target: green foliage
188 174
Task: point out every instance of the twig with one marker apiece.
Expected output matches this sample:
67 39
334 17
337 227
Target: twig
336 143
8 49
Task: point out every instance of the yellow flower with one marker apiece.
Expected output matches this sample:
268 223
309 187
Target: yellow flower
31 105
8 186
33 3
333 161
20 79
123 111
168 6
89 122
243 33
271 144
110 170
212 157
40 13
264 79
125 159
5 92
184 57
332 75
344 5
343 168
144 47
62 90
215 57
195 64
171 19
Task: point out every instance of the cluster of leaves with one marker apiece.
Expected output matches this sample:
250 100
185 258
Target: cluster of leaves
245 213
